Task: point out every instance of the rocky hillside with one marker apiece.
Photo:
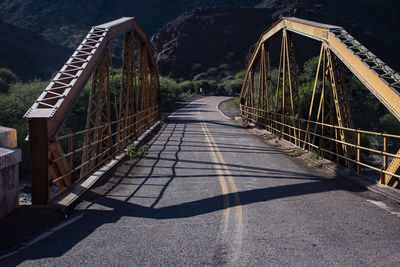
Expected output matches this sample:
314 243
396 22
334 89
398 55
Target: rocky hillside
65 22
209 38
205 39
28 54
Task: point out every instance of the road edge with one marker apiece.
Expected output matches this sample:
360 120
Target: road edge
220 112
362 181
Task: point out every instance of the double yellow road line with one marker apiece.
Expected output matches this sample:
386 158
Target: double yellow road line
223 171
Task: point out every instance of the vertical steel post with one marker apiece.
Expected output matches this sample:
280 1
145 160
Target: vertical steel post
283 82
385 162
260 81
71 158
358 152
337 147
38 136
307 135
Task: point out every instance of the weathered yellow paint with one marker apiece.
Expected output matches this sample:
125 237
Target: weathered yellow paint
304 29
220 162
322 32
393 167
239 214
220 176
367 76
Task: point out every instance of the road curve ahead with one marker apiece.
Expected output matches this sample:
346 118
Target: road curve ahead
208 192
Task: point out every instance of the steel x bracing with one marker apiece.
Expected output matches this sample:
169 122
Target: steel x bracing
329 126
61 160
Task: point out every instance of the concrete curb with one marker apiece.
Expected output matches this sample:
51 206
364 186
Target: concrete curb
220 112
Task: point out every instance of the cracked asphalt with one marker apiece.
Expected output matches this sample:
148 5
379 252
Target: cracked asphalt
209 192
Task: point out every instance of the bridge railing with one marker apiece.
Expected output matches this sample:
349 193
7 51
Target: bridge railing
307 135
77 168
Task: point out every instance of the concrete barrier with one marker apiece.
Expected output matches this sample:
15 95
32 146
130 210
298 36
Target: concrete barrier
10 157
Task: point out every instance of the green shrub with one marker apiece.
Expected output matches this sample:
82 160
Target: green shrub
200 76
309 70
13 107
186 86
19 99
227 78
4 86
389 123
212 71
170 92
8 76
208 86
225 66
196 67
240 75
232 87
296 153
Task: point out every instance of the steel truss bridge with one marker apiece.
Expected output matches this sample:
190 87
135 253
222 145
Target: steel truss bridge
328 129
116 116
60 161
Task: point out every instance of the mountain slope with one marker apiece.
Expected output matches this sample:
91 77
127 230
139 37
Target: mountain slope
209 36
65 22
28 54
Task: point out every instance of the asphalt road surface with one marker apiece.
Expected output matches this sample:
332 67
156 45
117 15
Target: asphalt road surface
208 192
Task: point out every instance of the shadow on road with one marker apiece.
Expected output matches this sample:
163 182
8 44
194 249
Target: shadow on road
58 244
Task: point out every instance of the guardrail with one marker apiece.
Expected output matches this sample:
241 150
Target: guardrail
77 162
306 134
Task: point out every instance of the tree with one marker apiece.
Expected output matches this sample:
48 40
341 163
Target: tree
389 123
8 76
199 76
4 86
309 70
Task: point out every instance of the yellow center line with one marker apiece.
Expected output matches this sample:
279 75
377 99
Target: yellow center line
221 179
212 144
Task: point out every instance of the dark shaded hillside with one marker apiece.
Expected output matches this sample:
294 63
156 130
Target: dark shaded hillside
208 37
28 54
212 37
65 22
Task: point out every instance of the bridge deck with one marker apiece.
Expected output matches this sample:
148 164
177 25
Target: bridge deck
210 192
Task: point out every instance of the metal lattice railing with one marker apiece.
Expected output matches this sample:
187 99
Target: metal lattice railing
73 155
366 158
374 63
